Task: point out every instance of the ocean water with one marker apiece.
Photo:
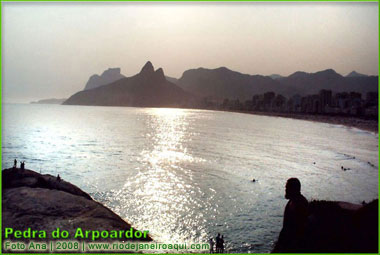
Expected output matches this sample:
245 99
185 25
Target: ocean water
185 175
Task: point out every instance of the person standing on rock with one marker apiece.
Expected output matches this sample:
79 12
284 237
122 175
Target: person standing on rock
222 244
22 165
15 164
217 247
211 242
295 219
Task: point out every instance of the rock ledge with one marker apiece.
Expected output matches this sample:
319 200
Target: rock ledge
42 202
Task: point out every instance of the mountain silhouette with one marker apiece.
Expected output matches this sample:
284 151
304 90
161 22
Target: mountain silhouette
153 88
172 80
223 83
311 83
356 74
148 88
276 76
108 76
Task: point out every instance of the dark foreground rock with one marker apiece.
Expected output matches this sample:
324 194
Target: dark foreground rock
41 202
338 227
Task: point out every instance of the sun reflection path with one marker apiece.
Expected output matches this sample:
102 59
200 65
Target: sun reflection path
169 127
165 194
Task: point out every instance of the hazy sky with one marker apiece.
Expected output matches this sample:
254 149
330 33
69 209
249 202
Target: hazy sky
51 49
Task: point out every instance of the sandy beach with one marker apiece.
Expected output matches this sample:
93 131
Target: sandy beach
349 121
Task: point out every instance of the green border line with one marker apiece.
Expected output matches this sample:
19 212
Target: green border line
155 1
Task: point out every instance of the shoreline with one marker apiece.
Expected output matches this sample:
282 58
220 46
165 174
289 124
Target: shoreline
370 125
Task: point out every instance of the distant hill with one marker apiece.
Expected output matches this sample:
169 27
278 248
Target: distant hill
276 76
50 101
355 74
148 88
108 76
172 80
152 88
223 83
311 83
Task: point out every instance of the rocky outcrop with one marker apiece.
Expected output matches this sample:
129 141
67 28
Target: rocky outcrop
15 177
147 69
108 76
43 202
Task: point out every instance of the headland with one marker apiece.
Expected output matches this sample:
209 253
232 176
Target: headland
34 203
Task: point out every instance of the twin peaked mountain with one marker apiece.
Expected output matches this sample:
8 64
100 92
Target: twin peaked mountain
148 88
151 88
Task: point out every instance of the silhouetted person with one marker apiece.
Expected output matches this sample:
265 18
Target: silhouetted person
222 244
22 165
217 239
58 178
295 219
211 242
15 164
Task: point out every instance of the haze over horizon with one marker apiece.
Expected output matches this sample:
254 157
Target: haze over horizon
51 49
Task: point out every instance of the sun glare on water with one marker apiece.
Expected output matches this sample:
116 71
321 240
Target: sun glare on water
163 179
